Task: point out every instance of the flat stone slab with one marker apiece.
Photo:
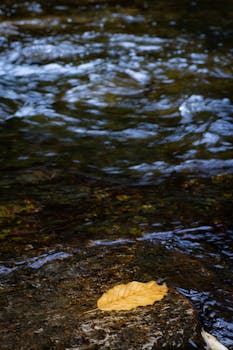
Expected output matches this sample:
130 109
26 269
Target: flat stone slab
44 302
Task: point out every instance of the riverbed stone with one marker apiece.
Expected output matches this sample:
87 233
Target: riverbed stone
52 304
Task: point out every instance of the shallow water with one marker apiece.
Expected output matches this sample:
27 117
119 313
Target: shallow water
116 124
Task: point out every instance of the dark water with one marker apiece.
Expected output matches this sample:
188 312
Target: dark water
116 123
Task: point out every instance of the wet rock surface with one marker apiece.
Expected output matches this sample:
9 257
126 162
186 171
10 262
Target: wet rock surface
46 305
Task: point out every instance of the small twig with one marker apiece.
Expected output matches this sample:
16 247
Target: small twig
89 311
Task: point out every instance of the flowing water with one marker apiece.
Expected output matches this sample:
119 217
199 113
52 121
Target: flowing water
116 124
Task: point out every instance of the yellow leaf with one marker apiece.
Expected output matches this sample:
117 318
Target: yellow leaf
131 295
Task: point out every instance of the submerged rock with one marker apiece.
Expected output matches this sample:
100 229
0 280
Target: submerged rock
48 307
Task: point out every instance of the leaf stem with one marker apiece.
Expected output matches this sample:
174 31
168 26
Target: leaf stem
89 311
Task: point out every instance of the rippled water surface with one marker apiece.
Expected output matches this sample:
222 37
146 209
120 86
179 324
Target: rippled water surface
135 95
119 90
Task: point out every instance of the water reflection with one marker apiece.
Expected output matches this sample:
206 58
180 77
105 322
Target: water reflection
36 262
132 88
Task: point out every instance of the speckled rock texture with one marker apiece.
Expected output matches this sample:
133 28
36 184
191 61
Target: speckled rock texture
44 305
165 324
